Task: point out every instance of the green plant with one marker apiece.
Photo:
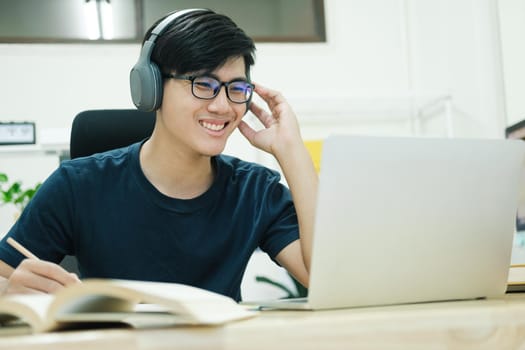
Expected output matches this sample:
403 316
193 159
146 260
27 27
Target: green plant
301 290
12 192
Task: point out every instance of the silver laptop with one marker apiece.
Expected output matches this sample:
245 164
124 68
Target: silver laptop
408 220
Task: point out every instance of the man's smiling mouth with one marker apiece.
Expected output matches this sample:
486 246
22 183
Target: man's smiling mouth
213 126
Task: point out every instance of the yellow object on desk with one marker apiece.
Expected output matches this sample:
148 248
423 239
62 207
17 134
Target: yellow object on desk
516 279
315 148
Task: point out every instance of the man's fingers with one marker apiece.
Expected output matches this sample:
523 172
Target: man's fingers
41 276
25 281
256 109
246 131
265 117
271 97
50 270
5 269
74 276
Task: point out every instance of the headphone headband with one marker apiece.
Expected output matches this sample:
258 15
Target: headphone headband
161 27
145 76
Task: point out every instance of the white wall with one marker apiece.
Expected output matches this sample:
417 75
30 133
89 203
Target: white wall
512 20
382 58
385 63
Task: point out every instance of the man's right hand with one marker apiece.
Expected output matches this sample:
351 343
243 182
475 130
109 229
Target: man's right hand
37 276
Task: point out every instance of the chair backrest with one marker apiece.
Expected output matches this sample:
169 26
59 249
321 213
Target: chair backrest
95 131
100 130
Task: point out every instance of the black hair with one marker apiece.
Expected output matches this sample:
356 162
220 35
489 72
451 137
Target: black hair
200 41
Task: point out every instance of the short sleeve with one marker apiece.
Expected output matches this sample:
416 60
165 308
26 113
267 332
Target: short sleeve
45 225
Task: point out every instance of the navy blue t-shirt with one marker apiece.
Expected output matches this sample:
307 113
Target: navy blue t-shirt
103 210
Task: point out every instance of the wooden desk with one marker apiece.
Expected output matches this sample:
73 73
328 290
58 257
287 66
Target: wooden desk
479 324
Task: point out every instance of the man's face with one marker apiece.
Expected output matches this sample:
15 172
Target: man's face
197 126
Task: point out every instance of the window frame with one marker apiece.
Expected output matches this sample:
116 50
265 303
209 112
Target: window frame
141 28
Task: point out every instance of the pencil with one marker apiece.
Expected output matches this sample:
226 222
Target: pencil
21 249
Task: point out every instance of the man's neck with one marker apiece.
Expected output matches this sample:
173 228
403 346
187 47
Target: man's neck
175 174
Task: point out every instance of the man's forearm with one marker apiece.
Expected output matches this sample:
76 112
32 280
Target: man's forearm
302 179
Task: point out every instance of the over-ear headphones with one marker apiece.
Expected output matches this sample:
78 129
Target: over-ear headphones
145 77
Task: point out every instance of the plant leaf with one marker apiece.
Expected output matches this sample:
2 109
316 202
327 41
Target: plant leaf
276 284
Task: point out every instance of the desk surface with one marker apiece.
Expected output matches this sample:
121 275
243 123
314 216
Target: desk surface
476 324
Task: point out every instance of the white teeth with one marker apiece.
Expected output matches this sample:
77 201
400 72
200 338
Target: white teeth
214 127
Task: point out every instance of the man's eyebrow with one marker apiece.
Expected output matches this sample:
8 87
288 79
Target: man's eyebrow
212 75
240 78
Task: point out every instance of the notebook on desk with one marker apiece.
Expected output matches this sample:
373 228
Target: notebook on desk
408 220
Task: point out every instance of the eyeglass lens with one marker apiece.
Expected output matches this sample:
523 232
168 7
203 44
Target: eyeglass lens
207 87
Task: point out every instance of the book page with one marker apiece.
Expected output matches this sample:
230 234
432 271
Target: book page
193 305
29 308
199 305
94 303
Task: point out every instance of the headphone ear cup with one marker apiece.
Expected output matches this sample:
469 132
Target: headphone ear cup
145 78
146 86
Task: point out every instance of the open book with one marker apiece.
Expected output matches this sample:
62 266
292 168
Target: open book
107 301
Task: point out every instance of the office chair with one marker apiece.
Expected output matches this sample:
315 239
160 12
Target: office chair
95 131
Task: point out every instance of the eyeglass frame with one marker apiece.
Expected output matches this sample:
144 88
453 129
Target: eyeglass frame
192 78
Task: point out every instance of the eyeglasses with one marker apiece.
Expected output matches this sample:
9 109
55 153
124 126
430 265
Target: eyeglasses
207 87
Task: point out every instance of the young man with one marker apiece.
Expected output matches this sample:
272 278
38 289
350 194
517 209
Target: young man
172 208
